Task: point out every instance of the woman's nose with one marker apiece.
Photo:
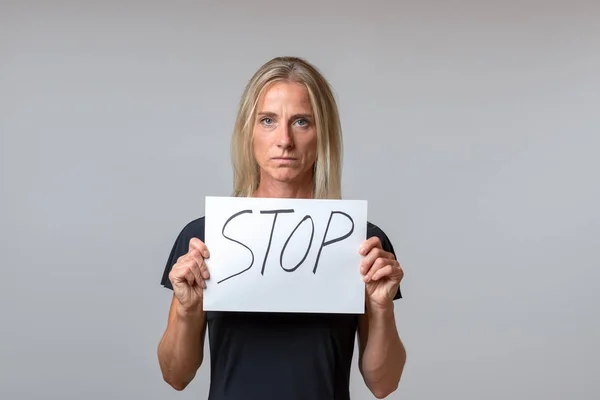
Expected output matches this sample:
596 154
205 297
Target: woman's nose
284 139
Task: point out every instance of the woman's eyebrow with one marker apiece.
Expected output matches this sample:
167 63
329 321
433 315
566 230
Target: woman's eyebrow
267 114
271 114
304 116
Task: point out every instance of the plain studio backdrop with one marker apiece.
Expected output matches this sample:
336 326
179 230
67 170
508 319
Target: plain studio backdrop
471 127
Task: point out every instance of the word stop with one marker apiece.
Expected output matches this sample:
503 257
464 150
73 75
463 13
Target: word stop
307 218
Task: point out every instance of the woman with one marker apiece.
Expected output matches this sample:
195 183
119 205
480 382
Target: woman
286 144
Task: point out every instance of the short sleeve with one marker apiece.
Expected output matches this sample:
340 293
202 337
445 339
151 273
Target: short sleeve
374 230
181 246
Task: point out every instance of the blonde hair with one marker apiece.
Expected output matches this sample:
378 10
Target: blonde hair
328 164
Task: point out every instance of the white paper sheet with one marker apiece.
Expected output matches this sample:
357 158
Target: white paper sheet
239 232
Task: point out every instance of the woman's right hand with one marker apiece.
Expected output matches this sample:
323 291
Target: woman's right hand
188 275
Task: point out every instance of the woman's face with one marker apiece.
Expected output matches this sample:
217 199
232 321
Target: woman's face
285 136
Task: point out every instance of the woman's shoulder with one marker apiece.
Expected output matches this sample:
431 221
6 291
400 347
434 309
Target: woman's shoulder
194 228
374 230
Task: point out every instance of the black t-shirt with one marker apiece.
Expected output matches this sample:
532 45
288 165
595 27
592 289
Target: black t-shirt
279 356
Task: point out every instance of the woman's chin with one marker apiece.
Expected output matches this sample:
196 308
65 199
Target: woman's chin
286 176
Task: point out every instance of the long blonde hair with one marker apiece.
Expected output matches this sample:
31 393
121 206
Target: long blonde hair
328 164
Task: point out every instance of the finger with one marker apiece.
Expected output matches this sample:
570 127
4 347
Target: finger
195 256
369 244
383 272
177 273
189 277
377 265
197 244
182 271
198 275
367 262
198 290
199 280
196 262
204 271
200 264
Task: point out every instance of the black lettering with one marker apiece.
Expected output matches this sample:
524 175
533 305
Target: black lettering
276 212
312 234
324 243
233 240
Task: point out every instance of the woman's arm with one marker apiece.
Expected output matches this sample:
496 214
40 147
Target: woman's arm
381 353
181 349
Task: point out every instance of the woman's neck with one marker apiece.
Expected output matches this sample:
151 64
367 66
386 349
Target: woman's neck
283 190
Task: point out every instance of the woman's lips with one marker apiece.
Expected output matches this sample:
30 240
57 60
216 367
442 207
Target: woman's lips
284 160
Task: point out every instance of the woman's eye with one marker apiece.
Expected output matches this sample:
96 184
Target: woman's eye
267 121
302 122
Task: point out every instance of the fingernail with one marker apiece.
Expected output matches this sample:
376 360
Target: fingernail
206 254
362 251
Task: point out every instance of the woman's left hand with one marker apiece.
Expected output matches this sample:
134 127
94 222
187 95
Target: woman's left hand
381 272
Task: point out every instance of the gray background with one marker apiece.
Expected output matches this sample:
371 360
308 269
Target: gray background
471 127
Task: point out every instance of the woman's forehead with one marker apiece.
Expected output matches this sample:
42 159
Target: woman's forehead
290 94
